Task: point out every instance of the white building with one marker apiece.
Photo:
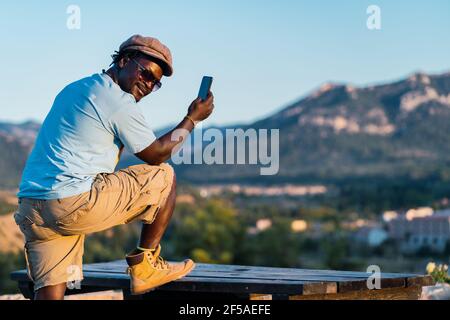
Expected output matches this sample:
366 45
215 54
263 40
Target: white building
390 215
431 231
419 213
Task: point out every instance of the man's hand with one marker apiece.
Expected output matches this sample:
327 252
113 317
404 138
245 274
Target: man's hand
200 109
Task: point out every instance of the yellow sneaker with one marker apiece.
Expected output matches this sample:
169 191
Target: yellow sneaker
148 270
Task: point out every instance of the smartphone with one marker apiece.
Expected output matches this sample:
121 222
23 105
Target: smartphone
205 87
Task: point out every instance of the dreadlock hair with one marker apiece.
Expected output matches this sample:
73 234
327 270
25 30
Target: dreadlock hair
131 54
119 55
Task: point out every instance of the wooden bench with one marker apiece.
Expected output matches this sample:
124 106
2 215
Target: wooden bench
214 281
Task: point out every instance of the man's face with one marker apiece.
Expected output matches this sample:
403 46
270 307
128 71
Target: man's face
137 81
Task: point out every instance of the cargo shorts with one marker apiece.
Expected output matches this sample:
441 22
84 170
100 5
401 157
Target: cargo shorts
55 230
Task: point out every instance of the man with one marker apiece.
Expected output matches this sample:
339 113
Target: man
69 187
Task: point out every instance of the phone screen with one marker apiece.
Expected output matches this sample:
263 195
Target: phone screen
205 87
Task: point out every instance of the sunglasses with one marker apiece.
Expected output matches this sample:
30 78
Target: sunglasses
148 77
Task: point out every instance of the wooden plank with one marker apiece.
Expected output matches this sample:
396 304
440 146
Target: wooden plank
410 293
206 272
393 283
119 264
201 284
208 284
281 284
256 276
420 281
313 286
320 288
102 281
21 275
260 296
361 285
293 271
345 283
246 279
122 280
348 284
235 286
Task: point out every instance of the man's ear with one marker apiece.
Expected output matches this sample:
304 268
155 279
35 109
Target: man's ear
122 62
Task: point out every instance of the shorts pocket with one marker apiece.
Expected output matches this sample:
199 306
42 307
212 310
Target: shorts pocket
31 230
70 210
151 191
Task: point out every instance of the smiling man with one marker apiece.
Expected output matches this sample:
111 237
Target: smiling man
69 188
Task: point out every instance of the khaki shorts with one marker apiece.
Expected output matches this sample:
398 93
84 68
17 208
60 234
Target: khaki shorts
55 229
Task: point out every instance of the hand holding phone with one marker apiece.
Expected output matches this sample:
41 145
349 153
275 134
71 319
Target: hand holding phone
202 107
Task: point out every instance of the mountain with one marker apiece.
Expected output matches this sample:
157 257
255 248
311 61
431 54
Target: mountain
25 133
16 141
338 131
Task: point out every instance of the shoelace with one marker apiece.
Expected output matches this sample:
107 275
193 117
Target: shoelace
159 262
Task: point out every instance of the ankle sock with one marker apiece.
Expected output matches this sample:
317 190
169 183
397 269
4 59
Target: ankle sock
144 249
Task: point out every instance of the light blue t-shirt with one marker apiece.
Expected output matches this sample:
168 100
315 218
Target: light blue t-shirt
90 120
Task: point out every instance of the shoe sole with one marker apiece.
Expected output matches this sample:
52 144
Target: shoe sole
135 293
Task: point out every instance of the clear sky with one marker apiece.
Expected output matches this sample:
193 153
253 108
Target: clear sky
263 54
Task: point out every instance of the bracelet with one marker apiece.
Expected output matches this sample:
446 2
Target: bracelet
192 120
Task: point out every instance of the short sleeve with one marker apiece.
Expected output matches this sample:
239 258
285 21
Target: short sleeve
130 126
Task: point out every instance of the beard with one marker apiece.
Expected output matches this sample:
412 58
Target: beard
140 90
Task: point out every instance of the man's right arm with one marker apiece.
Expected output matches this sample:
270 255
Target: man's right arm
162 148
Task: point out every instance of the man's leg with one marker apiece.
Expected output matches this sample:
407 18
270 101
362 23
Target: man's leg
55 292
151 234
146 267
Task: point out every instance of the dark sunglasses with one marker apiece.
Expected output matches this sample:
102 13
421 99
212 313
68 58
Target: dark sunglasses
149 77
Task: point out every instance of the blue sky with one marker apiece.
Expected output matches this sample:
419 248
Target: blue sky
262 54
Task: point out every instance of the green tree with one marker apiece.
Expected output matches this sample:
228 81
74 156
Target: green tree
276 246
209 233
